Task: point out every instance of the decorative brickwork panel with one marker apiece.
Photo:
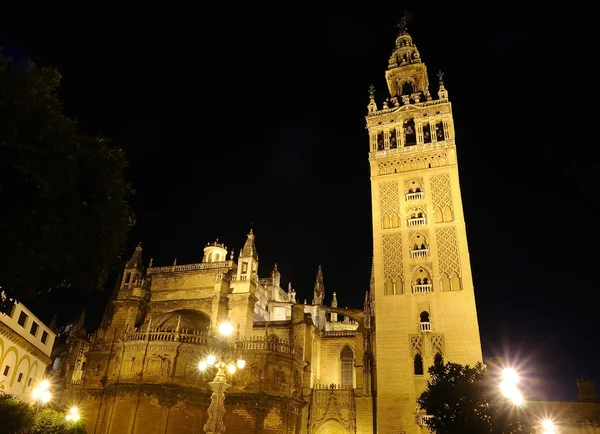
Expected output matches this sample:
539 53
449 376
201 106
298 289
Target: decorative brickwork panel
392 256
389 197
441 195
447 248
437 344
416 345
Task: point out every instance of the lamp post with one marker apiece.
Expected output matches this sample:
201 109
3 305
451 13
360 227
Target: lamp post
227 360
41 394
548 427
509 388
73 415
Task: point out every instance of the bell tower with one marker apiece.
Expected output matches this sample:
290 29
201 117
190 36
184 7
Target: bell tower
423 289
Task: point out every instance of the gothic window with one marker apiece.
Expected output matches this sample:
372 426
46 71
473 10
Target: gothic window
418 362
407 88
438 359
393 142
426 133
439 132
347 367
410 133
380 143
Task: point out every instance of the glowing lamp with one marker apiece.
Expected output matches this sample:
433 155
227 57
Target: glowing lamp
225 329
241 363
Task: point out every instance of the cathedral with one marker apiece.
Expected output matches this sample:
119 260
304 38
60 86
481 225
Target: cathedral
307 367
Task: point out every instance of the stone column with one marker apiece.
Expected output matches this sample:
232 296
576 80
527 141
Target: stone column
216 410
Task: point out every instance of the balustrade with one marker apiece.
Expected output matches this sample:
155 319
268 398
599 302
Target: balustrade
415 196
419 253
417 221
424 327
421 289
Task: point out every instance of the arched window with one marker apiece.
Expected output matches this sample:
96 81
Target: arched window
418 364
424 316
347 362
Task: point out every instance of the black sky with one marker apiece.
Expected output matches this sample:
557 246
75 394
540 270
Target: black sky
256 120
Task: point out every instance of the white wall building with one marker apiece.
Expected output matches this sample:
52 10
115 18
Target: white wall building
25 347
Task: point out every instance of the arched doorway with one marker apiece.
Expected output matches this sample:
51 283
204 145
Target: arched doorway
332 426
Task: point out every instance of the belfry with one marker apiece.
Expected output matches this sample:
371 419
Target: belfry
422 287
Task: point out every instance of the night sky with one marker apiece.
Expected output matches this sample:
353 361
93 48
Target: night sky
256 120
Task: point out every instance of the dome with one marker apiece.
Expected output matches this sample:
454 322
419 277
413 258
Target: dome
188 319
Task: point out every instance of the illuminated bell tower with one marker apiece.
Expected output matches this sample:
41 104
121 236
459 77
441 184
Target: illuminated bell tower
424 299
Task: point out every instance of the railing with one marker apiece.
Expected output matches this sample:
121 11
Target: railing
409 149
77 382
338 333
422 419
419 253
424 327
190 267
415 196
259 343
418 221
429 103
191 336
282 323
332 386
421 289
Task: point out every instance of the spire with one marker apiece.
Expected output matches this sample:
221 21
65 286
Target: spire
319 291
442 92
275 271
334 301
372 107
249 249
136 258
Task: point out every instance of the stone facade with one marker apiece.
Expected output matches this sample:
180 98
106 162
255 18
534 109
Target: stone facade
310 368
422 286
139 371
25 349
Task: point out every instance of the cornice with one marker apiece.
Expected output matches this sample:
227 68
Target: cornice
24 343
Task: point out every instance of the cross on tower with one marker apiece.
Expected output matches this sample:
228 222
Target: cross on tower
404 20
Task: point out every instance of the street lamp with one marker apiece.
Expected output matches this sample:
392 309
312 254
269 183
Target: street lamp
509 388
227 360
548 427
41 394
73 414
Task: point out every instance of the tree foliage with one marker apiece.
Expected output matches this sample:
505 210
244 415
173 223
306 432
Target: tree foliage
65 213
462 399
49 421
15 416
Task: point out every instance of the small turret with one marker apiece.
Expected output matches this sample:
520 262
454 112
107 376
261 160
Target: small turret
319 291
291 293
215 252
334 303
276 275
248 260
134 269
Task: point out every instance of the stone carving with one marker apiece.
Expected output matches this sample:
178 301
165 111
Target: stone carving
416 345
437 344
441 195
447 248
390 198
392 256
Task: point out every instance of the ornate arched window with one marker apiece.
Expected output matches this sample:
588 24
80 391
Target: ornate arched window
347 367
418 364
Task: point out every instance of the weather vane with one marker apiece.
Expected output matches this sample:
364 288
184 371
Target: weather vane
371 89
404 20
440 74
